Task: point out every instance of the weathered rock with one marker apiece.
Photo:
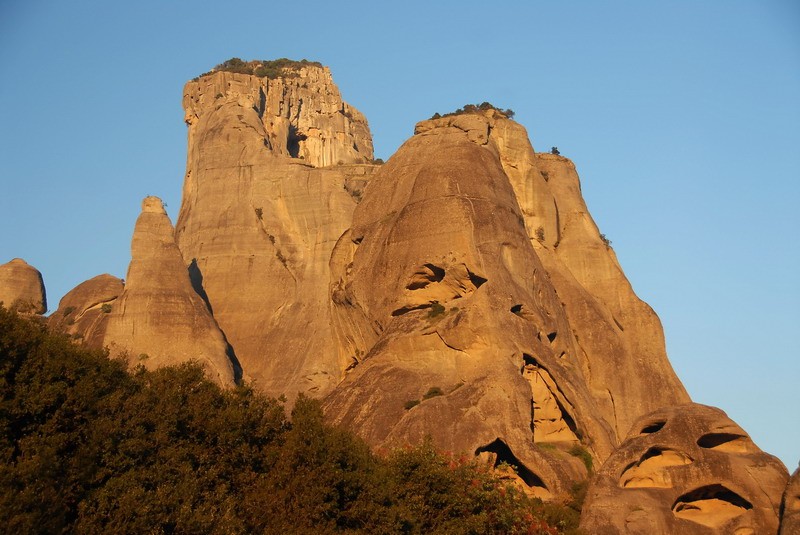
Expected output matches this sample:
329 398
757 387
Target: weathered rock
442 300
22 287
84 311
301 115
258 223
616 335
159 320
790 507
686 469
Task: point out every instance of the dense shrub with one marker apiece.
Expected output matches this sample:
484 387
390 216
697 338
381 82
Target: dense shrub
88 447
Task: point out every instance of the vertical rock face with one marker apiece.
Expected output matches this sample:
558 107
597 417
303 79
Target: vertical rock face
686 469
22 287
159 319
83 312
261 213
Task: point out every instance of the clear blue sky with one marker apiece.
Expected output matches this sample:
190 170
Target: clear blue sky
682 117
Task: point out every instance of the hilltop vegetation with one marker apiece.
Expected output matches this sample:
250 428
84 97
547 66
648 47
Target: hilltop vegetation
477 108
277 68
88 447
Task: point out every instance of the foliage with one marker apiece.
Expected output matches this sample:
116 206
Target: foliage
106 308
277 68
436 310
605 240
433 392
89 447
583 454
540 234
477 108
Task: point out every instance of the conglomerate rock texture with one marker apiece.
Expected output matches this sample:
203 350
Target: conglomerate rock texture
159 320
686 469
460 291
22 287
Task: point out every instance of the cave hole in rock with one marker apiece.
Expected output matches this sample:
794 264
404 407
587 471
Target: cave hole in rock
425 275
410 308
730 442
505 455
653 427
648 471
710 505
476 280
516 309
552 336
293 142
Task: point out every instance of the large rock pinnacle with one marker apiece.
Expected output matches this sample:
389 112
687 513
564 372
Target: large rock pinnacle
159 319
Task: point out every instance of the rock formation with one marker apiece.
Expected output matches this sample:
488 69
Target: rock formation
790 507
686 469
438 284
158 319
22 287
261 214
461 291
83 312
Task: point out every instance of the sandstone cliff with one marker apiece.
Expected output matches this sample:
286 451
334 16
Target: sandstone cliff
261 214
158 319
22 287
461 291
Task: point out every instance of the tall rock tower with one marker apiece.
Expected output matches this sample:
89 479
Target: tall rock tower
264 201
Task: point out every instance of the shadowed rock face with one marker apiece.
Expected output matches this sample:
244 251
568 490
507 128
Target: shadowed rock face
790 508
159 320
686 469
22 288
260 216
83 312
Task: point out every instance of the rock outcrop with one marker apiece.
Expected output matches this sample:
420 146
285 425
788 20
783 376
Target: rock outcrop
460 291
686 469
158 319
22 287
790 507
261 213
444 281
84 311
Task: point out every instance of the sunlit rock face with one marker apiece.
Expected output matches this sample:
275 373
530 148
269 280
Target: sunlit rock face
439 285
686 469
84 311
273 173
790 508
158 319
22 287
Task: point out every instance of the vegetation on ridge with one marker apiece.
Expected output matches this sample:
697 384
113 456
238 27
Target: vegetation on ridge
477 108
88 447
276 68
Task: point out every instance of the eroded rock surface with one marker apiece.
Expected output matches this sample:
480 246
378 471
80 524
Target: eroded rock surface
159 320
84 311
790 508
443 301
22 287
261 212
687 469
